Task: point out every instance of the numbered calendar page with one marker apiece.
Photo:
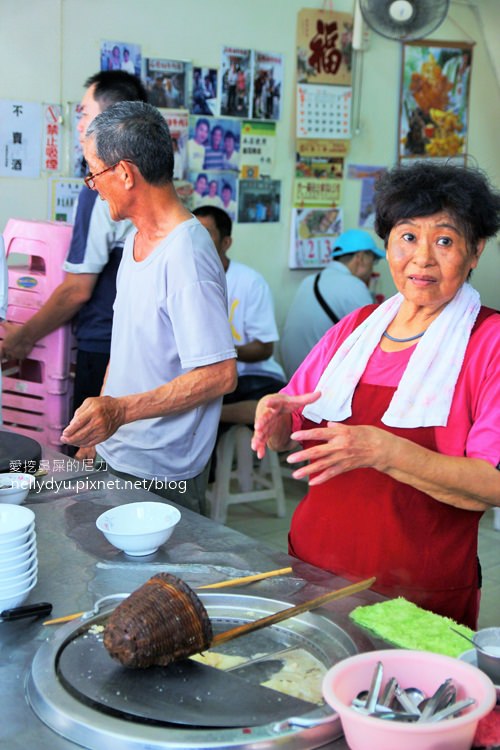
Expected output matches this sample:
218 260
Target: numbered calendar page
323 111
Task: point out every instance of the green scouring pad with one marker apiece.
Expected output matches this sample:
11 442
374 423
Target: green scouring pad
406 625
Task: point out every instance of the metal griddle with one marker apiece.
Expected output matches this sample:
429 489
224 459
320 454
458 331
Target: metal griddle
185 692
24 451
59 693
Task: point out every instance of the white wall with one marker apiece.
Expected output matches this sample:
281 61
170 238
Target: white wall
49 48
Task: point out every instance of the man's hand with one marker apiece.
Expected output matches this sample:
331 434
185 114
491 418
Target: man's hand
85 454
96 420
16 344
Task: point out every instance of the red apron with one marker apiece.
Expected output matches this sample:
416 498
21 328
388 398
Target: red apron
364 523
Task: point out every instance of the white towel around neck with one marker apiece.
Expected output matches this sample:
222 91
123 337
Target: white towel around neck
424 394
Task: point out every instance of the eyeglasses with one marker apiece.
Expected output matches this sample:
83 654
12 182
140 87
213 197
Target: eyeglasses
90 179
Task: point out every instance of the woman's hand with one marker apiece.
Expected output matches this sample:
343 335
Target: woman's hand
273 421
342 448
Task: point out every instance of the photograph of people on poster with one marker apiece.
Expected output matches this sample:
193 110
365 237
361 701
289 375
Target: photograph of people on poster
259 201
236 82
166 82
267 85
204 88
214 144
214 189
178 125
433 119
121 56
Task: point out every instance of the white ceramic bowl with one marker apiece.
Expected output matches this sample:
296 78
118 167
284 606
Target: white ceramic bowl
19 552
14 487
139 528
15 520
10 569
15 580
7 589
15 543
10 601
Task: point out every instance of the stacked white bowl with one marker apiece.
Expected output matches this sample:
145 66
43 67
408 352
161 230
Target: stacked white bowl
18 555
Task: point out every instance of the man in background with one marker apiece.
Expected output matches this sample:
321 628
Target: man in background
253 326
323 298
172 354
88 290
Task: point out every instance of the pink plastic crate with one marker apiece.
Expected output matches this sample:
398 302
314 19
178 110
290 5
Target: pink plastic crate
30 377
45 434
49 409
44 246
42 419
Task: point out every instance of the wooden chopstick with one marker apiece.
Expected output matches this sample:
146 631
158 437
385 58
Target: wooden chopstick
65 618
219 585
246 579
285 614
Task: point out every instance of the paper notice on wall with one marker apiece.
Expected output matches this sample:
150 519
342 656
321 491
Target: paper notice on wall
321 147
63 192
313 235
52 137
317 192
20 138
258 145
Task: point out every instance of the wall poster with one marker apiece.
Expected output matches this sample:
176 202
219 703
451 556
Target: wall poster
313 235
434 100
324 47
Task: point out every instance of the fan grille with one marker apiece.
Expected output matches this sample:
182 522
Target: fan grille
404 21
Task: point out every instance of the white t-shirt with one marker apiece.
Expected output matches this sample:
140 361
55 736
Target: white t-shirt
306 321
170 316
196 155
251 315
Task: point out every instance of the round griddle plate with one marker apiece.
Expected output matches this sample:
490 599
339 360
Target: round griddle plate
23 451
185 692
81 721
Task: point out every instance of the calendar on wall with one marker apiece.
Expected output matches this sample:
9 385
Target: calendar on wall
323 111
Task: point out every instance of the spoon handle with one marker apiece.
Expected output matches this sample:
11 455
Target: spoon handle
455 708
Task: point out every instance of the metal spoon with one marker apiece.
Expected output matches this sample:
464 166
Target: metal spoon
405 699
433 703
451 710
373 694
388 692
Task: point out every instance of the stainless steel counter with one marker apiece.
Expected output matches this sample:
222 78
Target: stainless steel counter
77 566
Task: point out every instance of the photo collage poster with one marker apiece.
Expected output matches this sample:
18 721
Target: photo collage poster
244 93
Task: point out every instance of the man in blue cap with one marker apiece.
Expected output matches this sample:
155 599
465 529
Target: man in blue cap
323 298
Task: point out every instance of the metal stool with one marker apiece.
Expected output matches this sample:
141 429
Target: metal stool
262 482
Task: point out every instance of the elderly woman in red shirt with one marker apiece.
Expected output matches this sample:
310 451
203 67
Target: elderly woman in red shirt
397 408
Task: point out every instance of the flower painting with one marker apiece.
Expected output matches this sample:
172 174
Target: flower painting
433 120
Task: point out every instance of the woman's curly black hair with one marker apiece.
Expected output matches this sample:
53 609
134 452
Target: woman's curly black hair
423 189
